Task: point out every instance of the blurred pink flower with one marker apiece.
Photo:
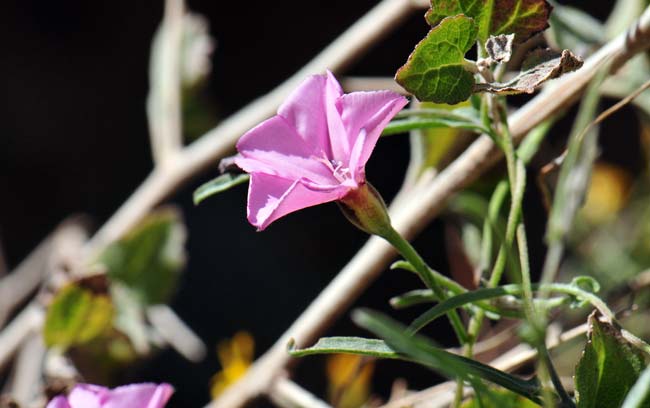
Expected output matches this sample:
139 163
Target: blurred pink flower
146 395
315 149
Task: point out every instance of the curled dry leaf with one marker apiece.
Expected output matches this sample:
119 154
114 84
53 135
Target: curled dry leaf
499 47
541 66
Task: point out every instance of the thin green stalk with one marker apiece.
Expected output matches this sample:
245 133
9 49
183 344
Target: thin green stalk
545 359
499 266
534 318
526 283
430 278
489 225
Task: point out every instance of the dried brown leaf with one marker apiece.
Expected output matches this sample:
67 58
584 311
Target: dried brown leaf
539 67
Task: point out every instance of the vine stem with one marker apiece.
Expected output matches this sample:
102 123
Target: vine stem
430 278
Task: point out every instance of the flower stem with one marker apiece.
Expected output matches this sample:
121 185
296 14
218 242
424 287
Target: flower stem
432 279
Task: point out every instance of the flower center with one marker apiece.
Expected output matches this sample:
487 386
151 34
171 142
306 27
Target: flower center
340 173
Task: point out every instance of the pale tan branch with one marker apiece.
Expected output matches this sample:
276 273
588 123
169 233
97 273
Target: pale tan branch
176 333
164 100
26 382
27 322
287 394
16 286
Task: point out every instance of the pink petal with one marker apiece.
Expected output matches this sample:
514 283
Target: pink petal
58 402
87 396
271 197
273 147
305 111
370 111
146 395
339 141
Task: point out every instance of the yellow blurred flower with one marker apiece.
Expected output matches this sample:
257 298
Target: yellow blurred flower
607 193
235 356
349 379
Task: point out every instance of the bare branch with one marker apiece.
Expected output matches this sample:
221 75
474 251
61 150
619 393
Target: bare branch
25 383
287 394
17 285
176 333
164 100
28 321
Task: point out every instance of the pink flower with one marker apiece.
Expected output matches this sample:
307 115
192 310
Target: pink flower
315 149
146 395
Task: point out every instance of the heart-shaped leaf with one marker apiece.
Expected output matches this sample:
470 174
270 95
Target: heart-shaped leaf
435 71
524 18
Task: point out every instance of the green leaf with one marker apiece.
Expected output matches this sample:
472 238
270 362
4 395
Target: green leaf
608 369
413 119
150 257
413 298
435 70
639 395
541 66
76 316
218 185
524 18
349 345
423 351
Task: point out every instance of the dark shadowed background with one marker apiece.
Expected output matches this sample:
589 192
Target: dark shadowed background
73 139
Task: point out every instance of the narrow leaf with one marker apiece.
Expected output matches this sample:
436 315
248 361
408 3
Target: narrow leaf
406 125
423 351
608 369
413 298
541 66
581 289
352 345
435 70
524 18
218 185
460 300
